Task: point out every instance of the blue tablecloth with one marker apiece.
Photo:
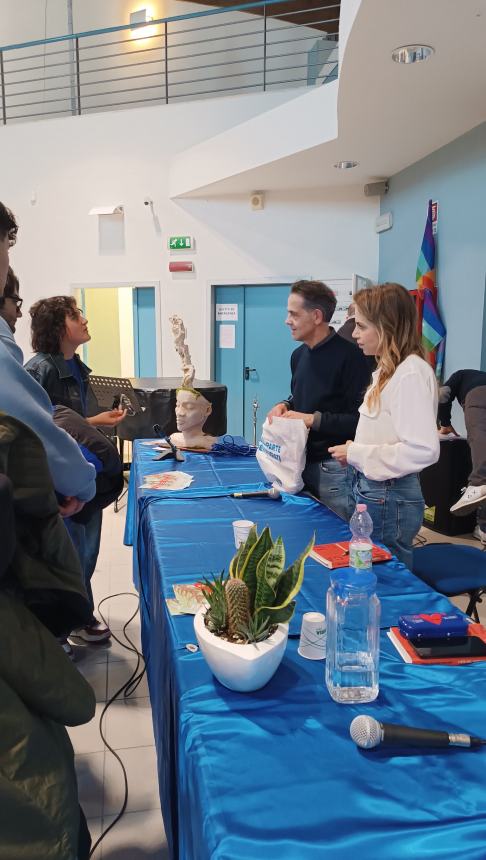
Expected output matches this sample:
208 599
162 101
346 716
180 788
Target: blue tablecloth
274 774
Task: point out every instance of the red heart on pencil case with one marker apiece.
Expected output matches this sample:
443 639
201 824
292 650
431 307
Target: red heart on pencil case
435 618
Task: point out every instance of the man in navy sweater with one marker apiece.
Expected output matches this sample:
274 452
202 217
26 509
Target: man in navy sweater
329 378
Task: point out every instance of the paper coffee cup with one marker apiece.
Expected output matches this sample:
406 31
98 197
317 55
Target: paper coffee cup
313 635
241 529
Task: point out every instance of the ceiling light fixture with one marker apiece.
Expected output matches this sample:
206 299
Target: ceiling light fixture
345 165
412 53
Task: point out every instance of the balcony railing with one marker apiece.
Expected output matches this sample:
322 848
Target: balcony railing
214 52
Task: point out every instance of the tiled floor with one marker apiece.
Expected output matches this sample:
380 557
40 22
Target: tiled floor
139 835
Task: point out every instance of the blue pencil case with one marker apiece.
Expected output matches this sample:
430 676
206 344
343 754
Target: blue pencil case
434 625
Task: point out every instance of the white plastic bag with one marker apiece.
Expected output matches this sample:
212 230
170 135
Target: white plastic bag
281 453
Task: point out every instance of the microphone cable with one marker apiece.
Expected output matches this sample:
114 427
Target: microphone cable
128 688
228 447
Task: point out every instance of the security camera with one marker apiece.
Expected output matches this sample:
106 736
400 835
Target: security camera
148 201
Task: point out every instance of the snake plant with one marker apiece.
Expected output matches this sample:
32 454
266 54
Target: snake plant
258 593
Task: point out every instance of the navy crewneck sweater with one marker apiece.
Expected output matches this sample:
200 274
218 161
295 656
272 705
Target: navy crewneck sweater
331 379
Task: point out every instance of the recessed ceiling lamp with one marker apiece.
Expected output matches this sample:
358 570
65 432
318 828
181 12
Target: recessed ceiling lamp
412 53
345 165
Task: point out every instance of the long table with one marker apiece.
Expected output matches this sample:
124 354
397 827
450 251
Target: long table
274 774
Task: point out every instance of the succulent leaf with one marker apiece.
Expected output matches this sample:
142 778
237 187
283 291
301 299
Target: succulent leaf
233 567
245 550
291 581
269 571
277 615
248 571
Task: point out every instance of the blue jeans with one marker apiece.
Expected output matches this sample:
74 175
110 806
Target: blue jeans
396 508
331 483
86 538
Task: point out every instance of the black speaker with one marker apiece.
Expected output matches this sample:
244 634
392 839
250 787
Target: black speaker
441 487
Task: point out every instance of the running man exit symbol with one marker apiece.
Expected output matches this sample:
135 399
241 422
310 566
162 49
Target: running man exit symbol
176 243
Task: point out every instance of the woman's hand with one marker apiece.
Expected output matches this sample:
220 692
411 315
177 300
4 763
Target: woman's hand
306 417
107 419
340 453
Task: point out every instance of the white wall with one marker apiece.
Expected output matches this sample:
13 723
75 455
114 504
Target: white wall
70 165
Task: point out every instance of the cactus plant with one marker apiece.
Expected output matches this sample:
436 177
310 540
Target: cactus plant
258 593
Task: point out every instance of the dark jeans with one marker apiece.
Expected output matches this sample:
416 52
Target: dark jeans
475 418
396 508
86 538
331 483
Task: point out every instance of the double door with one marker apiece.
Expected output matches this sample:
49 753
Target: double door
252 352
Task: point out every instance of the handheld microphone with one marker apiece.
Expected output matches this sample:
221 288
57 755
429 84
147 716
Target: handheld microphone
368 733
272 493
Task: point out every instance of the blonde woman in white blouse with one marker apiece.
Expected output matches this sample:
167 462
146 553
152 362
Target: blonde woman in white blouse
397 433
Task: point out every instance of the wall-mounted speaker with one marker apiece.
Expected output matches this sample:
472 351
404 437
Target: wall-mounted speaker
376 189
257 200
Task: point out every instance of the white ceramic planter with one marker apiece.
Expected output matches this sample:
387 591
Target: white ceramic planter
241 667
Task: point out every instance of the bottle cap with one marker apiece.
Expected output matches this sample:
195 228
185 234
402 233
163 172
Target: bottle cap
360 508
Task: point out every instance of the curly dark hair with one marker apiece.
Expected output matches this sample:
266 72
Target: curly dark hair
8 224
49 322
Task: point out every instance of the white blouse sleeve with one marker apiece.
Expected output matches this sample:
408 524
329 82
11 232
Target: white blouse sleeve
413 416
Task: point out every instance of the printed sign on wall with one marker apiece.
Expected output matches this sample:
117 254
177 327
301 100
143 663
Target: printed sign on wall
226 313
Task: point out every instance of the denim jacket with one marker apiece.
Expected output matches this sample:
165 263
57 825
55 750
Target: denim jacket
54 374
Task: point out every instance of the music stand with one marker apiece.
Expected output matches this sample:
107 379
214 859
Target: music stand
108 389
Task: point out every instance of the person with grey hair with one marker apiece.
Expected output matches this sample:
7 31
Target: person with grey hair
328 378
468 387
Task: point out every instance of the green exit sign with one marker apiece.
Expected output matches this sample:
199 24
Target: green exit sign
174 243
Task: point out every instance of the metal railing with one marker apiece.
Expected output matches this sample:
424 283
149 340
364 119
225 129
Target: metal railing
214 52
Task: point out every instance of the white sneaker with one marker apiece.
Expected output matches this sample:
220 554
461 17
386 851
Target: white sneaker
471 498
479 534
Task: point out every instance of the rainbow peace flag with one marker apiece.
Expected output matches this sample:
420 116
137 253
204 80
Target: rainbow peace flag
433 330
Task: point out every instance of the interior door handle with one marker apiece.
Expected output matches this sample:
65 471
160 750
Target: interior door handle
249 370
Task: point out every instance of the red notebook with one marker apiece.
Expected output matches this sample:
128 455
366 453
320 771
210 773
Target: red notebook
334 555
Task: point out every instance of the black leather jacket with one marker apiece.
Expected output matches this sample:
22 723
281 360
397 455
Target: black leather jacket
54 374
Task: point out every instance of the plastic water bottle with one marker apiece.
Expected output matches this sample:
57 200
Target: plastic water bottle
353 636
360 545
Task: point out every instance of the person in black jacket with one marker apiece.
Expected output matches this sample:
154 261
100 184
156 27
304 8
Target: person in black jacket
58 330
329 378
469 388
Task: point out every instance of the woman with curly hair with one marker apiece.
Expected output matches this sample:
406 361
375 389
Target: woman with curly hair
397 433
58 329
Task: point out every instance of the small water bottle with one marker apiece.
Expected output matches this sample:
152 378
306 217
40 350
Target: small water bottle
353 636
360 545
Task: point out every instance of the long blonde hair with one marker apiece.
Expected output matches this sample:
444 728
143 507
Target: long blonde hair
391 309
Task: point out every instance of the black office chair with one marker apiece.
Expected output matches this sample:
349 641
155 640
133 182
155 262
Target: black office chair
453 569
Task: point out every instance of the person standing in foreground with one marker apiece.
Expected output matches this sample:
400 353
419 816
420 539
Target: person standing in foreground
469 387
397 433
58 330
21 397
329 377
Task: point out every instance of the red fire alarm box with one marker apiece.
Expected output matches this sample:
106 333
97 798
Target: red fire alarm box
178 266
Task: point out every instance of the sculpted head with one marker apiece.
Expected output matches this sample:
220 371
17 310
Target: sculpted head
192 410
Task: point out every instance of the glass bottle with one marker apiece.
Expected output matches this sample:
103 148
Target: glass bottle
353 636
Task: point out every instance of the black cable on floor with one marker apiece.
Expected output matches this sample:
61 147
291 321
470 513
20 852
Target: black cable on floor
128 688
